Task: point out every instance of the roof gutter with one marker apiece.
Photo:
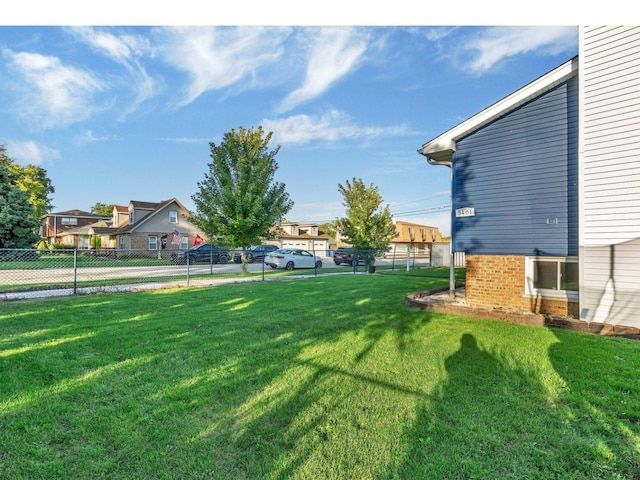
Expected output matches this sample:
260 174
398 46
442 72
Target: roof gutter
433 161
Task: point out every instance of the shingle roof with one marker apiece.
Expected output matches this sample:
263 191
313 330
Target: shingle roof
74 213
146 205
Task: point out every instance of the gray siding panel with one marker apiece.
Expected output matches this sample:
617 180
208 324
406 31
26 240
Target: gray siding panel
519 173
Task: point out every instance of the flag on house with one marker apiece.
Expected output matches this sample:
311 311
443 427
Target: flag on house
198 240
177 238
163 241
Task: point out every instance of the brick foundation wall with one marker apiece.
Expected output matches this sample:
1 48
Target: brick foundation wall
496 282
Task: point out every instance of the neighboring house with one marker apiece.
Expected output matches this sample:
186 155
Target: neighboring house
546 188
143 226
54 226
306 236
418 238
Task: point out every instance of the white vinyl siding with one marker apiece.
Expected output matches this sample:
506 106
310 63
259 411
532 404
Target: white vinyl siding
609 175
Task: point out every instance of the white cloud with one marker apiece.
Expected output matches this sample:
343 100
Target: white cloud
204 141
128 51
437 33
332 126
492 45
88 136
216 58
29 152
333 53
121 48
53 94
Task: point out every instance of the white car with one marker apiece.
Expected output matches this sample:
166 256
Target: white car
291 258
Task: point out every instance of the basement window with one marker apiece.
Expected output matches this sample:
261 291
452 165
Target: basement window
552 277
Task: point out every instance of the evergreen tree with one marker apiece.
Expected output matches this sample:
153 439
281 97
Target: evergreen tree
17 225
238 201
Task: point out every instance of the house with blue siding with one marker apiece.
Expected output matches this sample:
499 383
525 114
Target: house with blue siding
546 188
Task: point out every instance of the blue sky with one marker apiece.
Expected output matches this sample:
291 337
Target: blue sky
118 113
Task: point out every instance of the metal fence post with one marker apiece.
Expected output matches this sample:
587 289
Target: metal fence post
313 254
393 259
188 269
408 258
75 271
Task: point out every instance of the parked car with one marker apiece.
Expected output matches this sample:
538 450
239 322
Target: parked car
346 255
202 253
291 258
255 253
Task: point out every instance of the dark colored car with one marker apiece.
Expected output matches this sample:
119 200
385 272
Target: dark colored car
346 255
255 253
202 253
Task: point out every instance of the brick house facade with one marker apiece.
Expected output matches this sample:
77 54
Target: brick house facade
497 282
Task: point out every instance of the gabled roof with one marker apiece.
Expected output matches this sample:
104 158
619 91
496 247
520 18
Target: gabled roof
74 213
159 207
306 236
440 150
100 227
402 222
146 205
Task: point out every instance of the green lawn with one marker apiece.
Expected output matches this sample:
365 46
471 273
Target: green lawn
318 378
83 259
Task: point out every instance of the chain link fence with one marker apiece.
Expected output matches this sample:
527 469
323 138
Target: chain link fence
73 271
28 273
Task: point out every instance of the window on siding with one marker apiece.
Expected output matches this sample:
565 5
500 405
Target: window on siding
69 221
552 276
130 217
153 242
184 243
121 243
173 216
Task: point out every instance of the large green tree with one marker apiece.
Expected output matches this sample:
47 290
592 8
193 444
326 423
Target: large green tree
330 228
33 180
367 226
238 201
17 225
102 209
